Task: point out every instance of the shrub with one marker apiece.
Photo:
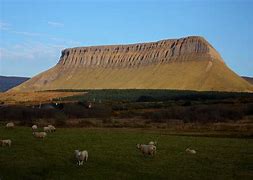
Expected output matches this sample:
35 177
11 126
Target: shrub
145 99
199 113
249 109
87 123
75 110
60 119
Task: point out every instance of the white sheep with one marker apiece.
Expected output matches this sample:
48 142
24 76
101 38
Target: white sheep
47 129
34 127
153 143
52 128
190 151
81 156
10 125
6 142
40 134
147 149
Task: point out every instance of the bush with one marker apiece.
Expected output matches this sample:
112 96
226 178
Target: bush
249 109
60 119
107 121
75 110
25 113
145 99
87 123
199 113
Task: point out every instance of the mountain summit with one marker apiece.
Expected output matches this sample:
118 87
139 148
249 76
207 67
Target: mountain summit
189 63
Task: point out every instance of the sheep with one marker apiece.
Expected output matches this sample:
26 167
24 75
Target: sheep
10 125
81 156
47 129
153 143
190 151
147 149
40 134
6 142
52 128
34 127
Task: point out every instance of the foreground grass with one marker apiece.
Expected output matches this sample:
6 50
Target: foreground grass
113 155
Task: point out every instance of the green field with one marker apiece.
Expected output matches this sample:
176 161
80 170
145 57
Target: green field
113 155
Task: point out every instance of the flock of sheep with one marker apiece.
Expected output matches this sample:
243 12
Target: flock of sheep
81 156
7 142
43 134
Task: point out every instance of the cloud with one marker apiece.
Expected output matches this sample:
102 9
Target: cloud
7 27
27 33
65 41
47 48
55 24
34 50
4 26
12 54
30 51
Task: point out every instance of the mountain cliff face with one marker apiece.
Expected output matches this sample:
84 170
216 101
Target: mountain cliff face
139 55
189 63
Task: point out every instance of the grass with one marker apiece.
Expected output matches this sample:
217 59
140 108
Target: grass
113 155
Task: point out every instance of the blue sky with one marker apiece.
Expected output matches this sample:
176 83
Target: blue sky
33 32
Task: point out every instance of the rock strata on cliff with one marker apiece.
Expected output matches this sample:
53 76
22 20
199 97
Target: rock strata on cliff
136 55
189 63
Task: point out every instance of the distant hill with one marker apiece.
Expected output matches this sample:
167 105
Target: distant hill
249 79
8 82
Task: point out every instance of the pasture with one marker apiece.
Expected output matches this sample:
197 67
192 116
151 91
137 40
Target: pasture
113 155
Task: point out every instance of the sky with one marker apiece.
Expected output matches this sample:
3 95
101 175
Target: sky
33 32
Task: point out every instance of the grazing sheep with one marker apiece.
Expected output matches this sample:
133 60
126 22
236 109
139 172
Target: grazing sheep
190 151
10 125
6 142
52 128
147 149
34 127
152 143
47 129
81 156
41 135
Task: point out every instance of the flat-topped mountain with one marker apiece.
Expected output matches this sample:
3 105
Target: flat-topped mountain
189 63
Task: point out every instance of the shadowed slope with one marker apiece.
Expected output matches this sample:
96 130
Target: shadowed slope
8 82
248 79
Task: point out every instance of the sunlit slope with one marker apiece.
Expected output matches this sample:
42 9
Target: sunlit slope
189 63
192 75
